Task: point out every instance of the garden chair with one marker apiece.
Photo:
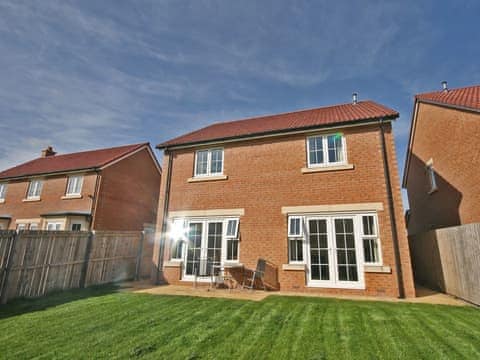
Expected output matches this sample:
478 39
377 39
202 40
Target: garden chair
250 276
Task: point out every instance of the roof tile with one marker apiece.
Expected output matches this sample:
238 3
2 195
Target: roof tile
302 119
69 162
467 97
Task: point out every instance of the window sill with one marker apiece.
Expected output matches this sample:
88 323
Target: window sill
31 200
327 168
2 201
293 267
232 265
207 178
434 190
377 269
173 263
67 197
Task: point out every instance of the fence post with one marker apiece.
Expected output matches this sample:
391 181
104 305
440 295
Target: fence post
8 267
139 256
86 260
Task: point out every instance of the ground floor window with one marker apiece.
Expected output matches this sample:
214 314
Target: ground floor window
334 247
76 227
204 244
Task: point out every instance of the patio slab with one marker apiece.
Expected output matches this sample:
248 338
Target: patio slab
424 295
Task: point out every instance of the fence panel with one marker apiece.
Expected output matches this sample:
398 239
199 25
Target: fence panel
449 260
33 263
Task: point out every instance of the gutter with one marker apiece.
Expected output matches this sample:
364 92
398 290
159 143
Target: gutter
161 250
396 248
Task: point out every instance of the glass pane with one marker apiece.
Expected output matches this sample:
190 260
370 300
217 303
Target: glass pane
342 273
315 272
295 224
368 225
325 275
346 254
232 249
232 228
314 257
217 161
352 273
194 248
335 152
202 162
315 148
214 243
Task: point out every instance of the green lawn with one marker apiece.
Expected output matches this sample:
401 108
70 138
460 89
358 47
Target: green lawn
103 323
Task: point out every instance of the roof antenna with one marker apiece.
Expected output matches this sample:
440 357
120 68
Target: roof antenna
445 86
354 98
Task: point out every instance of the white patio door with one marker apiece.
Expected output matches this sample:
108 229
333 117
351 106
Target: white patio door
204 247
334 250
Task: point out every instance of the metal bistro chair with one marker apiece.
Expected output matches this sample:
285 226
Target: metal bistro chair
258 273
203 269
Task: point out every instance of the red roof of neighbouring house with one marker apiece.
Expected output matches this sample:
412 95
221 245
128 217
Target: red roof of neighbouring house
303 119
467 97
70 162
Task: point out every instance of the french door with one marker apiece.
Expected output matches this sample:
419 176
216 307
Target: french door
204 248
333 252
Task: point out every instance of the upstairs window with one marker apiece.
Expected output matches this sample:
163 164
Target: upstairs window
371 246
209 162
34 189
74 185
3 191
232 239
295 239
325 150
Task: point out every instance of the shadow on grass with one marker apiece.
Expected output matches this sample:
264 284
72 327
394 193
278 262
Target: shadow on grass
24 305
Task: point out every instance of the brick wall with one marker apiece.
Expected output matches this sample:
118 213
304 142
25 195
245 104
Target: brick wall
53 189
128 194
264 175
450 138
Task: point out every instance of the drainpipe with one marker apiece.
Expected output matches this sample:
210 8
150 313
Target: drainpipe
396 249
93 210
161 250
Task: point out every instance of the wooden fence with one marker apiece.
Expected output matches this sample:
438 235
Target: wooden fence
449 260
33 263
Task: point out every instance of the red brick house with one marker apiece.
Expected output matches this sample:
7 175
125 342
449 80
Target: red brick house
106 189
315 192
443 159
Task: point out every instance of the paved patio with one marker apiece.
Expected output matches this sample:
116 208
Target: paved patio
424 295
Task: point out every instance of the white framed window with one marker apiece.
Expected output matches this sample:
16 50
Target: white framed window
74 185
3 191
232 241
54 226
326 150
209 162
431 178
76 227
178 232
295 227
21 227
295 239
371 243
34 226
34 189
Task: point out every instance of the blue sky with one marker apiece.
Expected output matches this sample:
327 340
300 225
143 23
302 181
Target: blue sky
89 74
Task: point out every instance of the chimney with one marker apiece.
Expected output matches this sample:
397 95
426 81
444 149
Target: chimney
354 98
445 86
48 152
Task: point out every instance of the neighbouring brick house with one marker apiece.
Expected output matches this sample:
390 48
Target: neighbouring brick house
442 173
106 189
315 192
